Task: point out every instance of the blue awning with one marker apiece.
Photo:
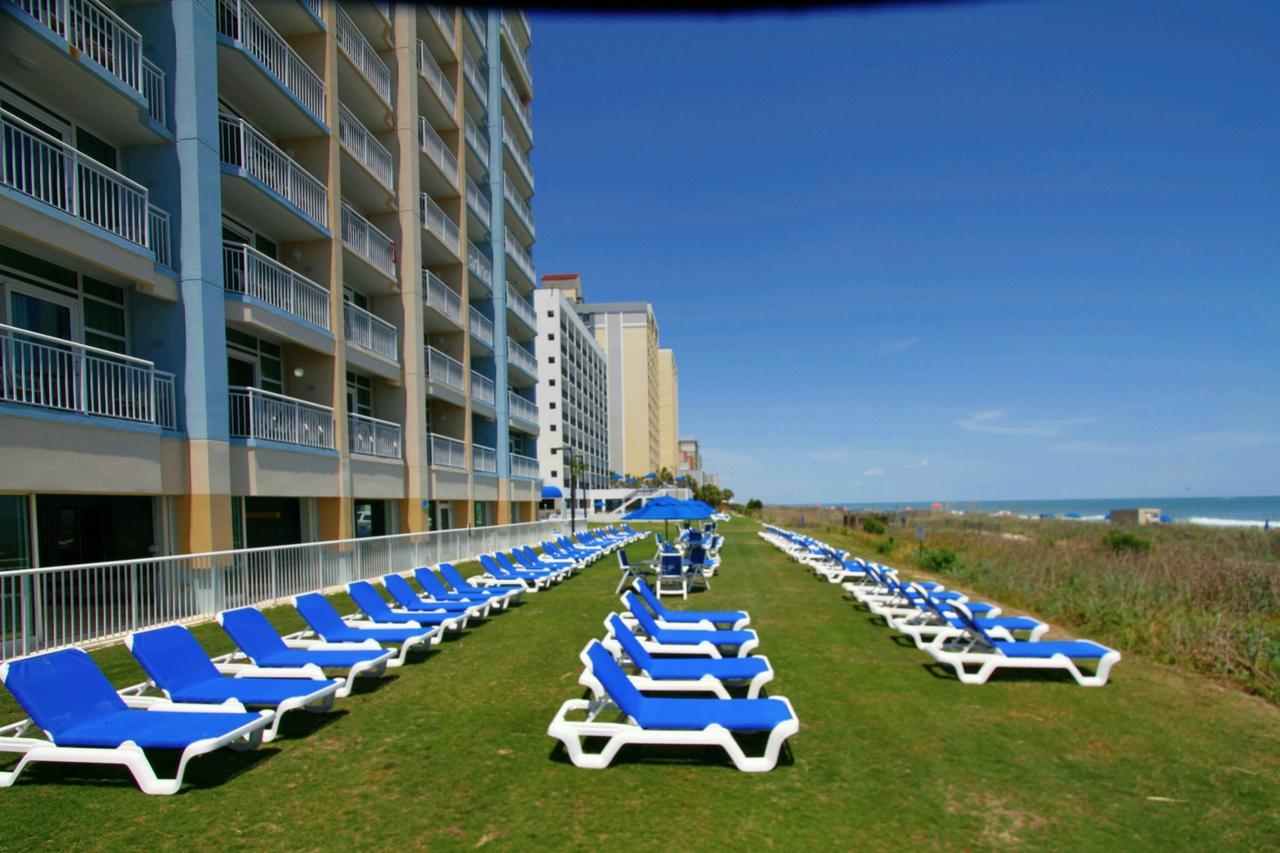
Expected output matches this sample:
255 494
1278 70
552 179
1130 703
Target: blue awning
549 492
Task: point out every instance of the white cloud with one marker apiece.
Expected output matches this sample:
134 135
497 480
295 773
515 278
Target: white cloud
1205 442
921 464
873 472
894 347
995 422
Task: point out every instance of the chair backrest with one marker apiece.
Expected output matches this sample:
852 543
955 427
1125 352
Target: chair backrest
319 613
61 690
172 657
629 642
523 559
615 682
449 573
966 618
251 632
697 555
432 584
550 548
368 600
647 623
623 561
400 590
672 565
647 595
491 567
505 561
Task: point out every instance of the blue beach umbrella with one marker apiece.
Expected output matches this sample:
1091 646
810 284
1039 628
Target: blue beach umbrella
667 510
615 477
1166 519
1073 515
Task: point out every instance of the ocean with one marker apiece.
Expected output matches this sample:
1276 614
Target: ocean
1212 512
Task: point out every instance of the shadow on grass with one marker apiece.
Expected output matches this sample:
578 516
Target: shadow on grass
943 672
204 772
366 686
675 756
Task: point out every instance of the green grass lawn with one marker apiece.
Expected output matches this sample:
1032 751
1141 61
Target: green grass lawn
452 752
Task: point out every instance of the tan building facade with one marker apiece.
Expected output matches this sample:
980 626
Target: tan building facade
668 411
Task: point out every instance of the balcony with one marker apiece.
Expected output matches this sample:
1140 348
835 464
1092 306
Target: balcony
523 20
250 273
522 409
524 120
524 467
484 460
522 308
43 168
440 297
445 370
478 203
267 416
523 262
448 452
520 207
374 72
516 52
444 106
480 327
476 81
518 158
291 105
483 389
478 145
61 375
479 265
373 437
444 26
477 24
370 332
434 150
521 358
445 231
255 170
357 141
365 241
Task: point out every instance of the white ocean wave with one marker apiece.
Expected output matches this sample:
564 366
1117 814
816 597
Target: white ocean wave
1229 522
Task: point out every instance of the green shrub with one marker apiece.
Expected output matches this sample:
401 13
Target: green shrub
755 505
873 526
885 547
941 560
1123 540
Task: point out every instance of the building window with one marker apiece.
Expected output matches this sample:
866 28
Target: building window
553 427
551 359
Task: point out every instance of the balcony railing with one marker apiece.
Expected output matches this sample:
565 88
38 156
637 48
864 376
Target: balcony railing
444 23
249 272
521 357
245 148
357 139
517 154
437 152
50 171
274 417
448 452
158 234
239 21
522 408
437 223
153 89
522 307
475 78
373 437
522 112
479 203
481 327
524 467
517 53
524 24
441 297
483 388
445 369
94 31
435 78
369 332
363 56
523 212
484 460
519 255
52 373
478 24
360 235
477 141
479 265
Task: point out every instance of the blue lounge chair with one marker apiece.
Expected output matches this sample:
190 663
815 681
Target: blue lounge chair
504 560
178 667
460 584
86 721
693 675
630 571
648 720
734 620
532 581
935 622
261 645
409 599
672 577
534 562
447 617
328 624
499 596
692 641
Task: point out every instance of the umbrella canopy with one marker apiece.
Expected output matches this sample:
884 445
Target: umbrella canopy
668 509
702 505
599 504
549 492
1166 519
615 477
1073 515
651 476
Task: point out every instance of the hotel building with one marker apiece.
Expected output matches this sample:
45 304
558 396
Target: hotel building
668 411
265 274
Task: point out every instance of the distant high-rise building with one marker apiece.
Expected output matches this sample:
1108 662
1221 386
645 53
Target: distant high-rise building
690 456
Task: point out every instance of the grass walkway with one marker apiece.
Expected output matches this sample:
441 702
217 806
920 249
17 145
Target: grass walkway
452 752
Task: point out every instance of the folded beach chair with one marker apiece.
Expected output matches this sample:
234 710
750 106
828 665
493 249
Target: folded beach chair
934 621
978 648
408 598
376 609
504 595
454 578
734 620
179 667
642 719
86 721
532 581
328 624
688 640
263 647
693 675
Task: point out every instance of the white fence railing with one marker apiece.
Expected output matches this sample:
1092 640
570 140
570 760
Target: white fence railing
524 467
518 155
444 23
481 326
437 222
49 608
158 234
153 89
448 452
241 145
373 437
484 460
95 31
430 71
521 357
521 408
479 202
521 307
240 22
363 238
477 23
445 369
524 262
357 139
441 296
477 141
479 265
475 78
437 152
247 271
274 417
483 388
357 48
369 332
523 117
518 204
52 373
517 52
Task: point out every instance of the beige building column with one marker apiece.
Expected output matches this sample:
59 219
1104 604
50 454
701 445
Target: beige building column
204 511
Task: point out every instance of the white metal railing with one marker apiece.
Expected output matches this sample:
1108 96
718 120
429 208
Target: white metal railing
158 233
523 212
445 369
484 460
521 357
437 152
153 89
483 388
314 7
357 139
435 78
239 21
52 373
478 24
521 159
274 417
522 307
524 24
242 146
384 9
477 141
94 31
524 467
373 437
519 255
438 223
517 52
93 603
479 264
50 171
166 399
363 56
441 297
247 271
448 452
363 238
524 119
481 327
369 332
479 202
444 23
521 408
475 78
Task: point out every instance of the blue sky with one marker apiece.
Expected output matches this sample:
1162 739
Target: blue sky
1007 250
